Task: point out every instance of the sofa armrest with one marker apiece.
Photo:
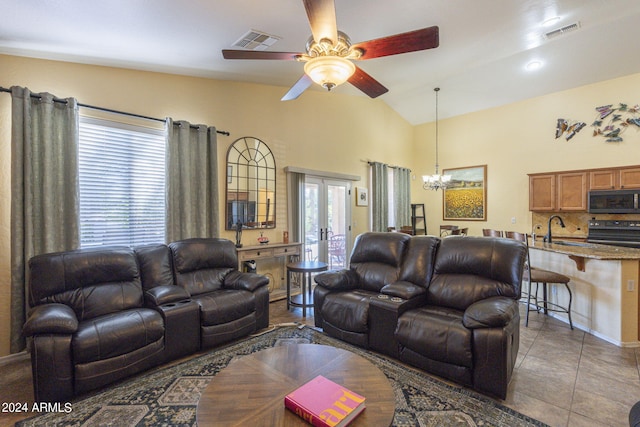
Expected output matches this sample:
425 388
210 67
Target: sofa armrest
337 280
403 289
164 294
50 319
245 281
492 312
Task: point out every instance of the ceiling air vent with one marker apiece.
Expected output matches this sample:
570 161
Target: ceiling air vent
562 31
256 40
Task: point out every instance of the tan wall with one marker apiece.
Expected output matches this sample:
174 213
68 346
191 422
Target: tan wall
319 131
518 139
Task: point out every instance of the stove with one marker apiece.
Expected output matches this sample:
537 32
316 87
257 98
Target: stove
614 232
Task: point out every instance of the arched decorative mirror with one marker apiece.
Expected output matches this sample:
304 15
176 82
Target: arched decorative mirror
251 185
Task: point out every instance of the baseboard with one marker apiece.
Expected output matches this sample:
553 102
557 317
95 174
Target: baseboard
623 344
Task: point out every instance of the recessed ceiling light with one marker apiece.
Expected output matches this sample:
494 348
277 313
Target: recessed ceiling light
534 65
551 21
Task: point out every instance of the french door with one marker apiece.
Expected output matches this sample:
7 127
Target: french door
327 222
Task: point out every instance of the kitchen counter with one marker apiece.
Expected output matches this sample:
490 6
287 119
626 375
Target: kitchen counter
604 281
588 250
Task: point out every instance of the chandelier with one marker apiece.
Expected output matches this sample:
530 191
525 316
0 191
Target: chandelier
436 181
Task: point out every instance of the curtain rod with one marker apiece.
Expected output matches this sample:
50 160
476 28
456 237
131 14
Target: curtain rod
370 162
109 110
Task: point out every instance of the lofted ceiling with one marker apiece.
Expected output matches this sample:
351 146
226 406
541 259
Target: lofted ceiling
480 63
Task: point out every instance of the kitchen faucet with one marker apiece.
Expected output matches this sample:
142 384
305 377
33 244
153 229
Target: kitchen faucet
547 237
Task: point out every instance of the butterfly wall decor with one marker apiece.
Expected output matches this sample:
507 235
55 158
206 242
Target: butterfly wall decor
619 119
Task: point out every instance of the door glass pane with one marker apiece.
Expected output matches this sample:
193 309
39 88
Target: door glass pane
336 224
311 221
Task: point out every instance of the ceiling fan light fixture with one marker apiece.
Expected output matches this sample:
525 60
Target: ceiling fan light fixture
329 71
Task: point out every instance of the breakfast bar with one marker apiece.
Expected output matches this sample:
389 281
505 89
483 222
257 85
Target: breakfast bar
604 282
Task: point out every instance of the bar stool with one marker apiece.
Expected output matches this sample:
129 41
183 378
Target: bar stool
544 277
446 229
459 231
488 232
306 268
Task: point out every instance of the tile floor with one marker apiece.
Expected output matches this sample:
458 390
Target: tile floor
567 377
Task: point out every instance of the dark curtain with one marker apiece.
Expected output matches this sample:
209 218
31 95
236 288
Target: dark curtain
44 188
192 181
379 196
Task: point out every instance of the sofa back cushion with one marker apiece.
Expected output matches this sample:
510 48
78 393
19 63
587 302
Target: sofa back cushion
156 265
92 281
201 264
469 269
377 257
417 264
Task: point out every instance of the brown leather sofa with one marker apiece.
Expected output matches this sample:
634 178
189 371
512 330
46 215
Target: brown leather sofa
102 314
448 306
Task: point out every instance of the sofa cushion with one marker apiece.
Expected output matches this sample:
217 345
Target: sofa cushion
459 291
202 264
376 258
348 310
436 333
225 306
115 334
469 269
93 281
494 312
155 265
417 265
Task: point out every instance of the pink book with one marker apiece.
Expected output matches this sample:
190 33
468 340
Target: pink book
323 403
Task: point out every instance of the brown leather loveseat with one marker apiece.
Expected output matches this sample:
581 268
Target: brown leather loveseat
448 306
101 314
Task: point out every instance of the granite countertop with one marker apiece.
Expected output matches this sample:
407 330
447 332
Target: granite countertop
588 250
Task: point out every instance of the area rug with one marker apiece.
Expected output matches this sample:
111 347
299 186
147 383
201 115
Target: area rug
168 396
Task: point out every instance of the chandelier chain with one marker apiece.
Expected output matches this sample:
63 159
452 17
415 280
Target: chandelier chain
436 181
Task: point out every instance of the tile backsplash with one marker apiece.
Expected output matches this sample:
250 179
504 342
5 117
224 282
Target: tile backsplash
576 223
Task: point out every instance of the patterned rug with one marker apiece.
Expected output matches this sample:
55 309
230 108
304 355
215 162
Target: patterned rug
168 396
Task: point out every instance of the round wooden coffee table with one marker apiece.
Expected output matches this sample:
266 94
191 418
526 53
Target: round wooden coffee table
250 391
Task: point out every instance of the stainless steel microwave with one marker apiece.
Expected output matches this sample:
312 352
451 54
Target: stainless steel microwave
614 201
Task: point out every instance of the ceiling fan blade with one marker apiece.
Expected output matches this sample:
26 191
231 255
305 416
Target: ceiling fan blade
367 84
426 38
322 19
297 89
259 54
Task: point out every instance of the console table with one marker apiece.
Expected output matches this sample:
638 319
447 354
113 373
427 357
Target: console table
285 251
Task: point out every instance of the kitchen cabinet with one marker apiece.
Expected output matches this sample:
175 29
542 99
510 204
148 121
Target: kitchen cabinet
615 179
542 193
567 191
629 178
603 179
558 192
572 191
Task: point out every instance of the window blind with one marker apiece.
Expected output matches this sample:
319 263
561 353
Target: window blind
122 183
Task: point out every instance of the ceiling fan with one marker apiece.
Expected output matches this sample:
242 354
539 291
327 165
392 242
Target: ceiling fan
328 60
